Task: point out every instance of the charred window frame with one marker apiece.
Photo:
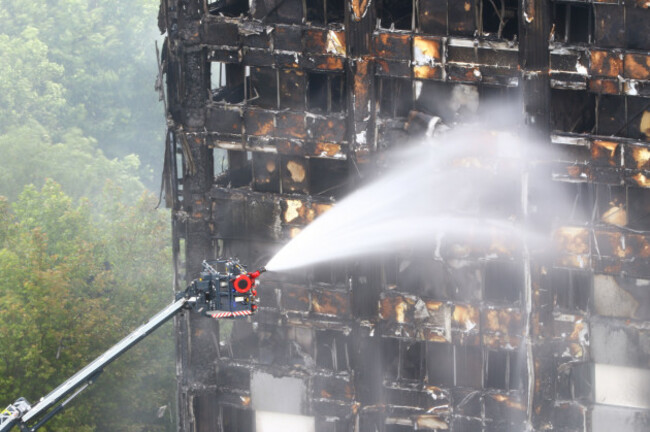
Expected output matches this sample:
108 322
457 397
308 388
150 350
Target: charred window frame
574 381
232 168
504 370
573 23
324 12
499 18
302 349
454 365
504 282
332 350
579 197
638 117
395 96
229 83
392 425
235 419
440 364
609 205
332 424
396 15
404 360
264 87
638 208
328 177
624 116
330 274
229 8
571 288
326 92
422 276
573 111
237 340
637 18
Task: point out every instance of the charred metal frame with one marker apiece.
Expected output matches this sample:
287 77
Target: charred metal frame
275 106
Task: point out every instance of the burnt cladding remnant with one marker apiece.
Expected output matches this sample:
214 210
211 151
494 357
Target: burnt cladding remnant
275 106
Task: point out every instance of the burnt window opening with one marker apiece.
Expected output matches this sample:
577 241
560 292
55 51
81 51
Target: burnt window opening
610 204
390 357
637 35
330 424
499 18
395 427
492 98
220 157
237 340
454 365
396 15
453 103
576 202
229 8
420 275
264 87
234 419
279 11
572 289
325 12
440 364
232 169
572 23
403 360
330 273
326 92
432 17
503 199
468 366
395 96
638 208
412 361
460 424
227 83
574 382
573 111
638 117
206 410
504 370
274 346
624 116
217 79
302 347
328 177
266 172
504 281
611 115
292 89
332 350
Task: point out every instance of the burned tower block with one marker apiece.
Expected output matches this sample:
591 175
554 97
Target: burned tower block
274 107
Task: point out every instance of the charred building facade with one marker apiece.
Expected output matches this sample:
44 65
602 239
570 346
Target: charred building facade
274 108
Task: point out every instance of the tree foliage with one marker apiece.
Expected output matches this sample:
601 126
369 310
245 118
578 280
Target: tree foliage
87 65
72 283
30 156
84 257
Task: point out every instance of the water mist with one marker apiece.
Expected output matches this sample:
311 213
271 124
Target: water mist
465 184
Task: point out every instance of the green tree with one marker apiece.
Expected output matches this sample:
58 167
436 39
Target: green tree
30 157
99 62
67 294
31 87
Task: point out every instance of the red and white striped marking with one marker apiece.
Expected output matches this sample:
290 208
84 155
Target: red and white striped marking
230 314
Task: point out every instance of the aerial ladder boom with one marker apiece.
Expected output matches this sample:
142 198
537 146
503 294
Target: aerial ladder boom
216 294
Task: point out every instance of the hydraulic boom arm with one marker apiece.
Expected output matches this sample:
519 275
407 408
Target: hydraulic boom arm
226 292
21 413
